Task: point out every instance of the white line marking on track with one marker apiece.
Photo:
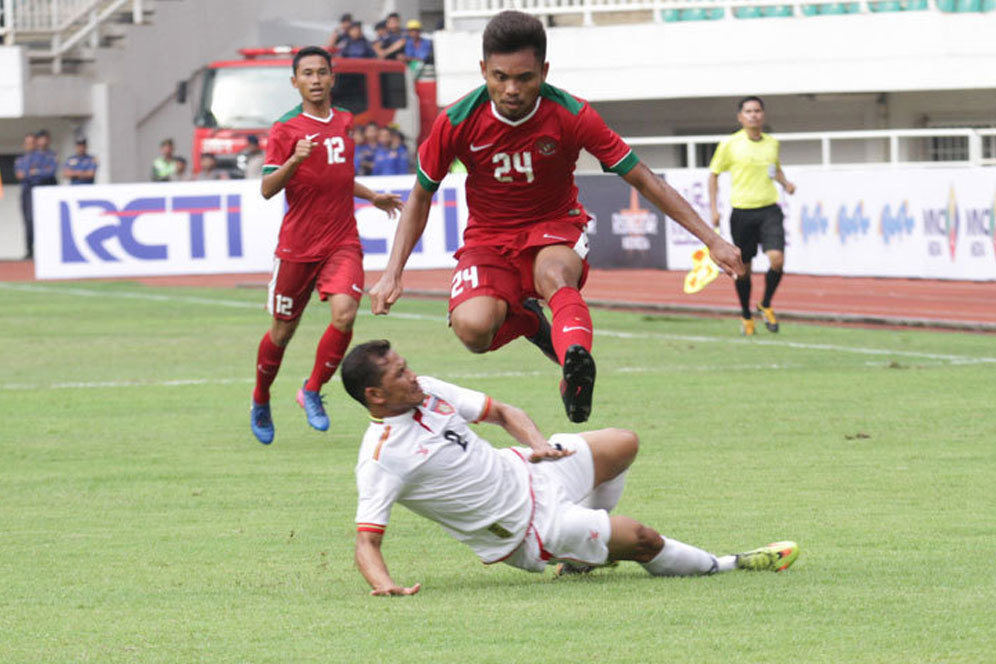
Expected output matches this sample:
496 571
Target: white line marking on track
951 358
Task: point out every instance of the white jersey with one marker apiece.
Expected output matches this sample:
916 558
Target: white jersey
430 461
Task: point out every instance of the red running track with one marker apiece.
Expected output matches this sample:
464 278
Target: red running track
921 302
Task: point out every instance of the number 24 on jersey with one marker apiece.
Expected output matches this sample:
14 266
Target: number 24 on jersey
520 162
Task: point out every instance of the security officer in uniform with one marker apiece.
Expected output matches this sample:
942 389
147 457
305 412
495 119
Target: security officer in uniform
81 167
751 156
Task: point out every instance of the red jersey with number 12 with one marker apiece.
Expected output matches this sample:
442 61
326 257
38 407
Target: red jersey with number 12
519 172
319 195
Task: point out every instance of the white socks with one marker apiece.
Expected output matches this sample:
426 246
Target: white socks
606 495
680 559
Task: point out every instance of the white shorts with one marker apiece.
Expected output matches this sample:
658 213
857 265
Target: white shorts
561 529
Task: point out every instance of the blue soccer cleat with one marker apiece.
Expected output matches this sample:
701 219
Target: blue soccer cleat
261 423
313 408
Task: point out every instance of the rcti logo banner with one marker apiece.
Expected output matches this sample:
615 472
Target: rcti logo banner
207 228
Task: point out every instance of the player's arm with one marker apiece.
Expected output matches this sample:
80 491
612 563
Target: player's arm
414 217
274 181
671 203
782 180
520 426
389 203
371 564
713 187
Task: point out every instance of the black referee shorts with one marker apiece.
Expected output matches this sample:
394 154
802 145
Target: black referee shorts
757 226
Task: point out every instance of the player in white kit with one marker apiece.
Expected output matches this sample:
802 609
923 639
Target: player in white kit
547 502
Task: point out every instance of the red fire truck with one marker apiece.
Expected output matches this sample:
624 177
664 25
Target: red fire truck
244 97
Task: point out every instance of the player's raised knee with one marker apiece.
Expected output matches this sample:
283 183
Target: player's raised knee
628 441
476 335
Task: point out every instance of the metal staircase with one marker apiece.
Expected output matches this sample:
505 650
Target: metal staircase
62 35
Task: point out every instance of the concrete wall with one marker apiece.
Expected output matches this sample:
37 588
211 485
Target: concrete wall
829 54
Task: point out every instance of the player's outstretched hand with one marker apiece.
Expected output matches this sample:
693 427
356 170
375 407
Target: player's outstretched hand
395 591
302 149
389 203
789 188
727 257
384 293
549 453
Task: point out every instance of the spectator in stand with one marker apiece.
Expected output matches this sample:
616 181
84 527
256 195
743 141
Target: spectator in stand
391 46
338 38
251 158
384 157
402 158
356 45
164 166
417 48
81 167
22 168
363 157
210 170
180 172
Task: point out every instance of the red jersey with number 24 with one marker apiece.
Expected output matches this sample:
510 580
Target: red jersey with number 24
519 172
319 195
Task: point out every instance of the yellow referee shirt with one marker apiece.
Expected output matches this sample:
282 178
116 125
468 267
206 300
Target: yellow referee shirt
752 166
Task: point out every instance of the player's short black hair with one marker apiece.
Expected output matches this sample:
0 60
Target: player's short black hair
42 133
252 139
308 51
512 31
165 142
346 17
740 105
393 15
81 141
364 367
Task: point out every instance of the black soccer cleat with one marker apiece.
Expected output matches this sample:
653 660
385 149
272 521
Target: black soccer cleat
578 384
542 339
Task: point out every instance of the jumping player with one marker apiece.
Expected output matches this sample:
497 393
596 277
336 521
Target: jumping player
542 503
310 153
519 139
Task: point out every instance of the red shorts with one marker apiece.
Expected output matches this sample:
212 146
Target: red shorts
292 283
505 271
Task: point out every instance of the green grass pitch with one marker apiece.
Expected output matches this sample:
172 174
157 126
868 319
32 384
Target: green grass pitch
141 522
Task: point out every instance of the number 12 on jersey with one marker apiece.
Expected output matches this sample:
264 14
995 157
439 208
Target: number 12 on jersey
335 146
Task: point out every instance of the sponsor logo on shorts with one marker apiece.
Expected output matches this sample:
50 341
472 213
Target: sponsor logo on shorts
555 237
357 289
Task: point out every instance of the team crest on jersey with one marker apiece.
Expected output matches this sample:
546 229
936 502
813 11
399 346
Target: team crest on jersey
436 405
546 146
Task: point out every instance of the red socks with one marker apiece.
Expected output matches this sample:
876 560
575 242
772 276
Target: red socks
331 350
267 365
519 322
571 322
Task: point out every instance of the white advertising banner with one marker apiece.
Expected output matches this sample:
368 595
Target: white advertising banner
209 227
937 223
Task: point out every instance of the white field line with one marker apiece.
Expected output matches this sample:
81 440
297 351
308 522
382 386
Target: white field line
950 358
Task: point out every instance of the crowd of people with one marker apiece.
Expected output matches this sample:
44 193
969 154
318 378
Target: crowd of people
38 166
380 151
388 42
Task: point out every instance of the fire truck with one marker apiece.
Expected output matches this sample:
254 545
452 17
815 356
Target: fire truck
239 98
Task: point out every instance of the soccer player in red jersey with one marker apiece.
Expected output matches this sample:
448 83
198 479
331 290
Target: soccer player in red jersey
310 154
519 139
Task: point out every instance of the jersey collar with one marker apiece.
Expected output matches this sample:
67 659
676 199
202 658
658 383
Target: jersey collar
314 117
515 123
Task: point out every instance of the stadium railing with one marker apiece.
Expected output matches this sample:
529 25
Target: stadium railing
699 10
53 28
976 147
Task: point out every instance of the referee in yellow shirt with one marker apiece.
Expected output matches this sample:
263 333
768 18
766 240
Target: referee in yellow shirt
751 156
